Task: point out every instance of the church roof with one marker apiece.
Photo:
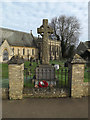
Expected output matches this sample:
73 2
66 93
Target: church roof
83 47
16 38
87 44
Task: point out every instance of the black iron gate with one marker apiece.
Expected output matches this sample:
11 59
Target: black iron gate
62 78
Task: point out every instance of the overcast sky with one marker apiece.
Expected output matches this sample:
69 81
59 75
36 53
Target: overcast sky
26 16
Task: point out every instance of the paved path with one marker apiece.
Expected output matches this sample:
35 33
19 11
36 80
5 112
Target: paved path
45 108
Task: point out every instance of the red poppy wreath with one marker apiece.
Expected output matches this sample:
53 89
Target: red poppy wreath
43 83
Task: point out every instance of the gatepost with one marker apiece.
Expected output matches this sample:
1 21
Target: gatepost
16 77
77 76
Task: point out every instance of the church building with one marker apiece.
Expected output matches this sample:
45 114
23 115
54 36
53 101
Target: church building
25 44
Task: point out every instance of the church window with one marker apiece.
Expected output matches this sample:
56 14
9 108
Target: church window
23 51
27 52
57 50
18 51
53 50
5 55
13 50
32 51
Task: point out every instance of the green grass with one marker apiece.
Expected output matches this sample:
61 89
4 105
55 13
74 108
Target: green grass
28 82
57 62
87 74
5 67
4 71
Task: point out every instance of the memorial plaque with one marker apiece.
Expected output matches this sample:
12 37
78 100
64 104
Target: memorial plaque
45 72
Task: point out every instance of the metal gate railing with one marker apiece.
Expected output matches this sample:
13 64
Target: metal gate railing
62 77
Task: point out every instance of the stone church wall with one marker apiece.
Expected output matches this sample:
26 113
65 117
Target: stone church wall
5 46
55 45
14 50
27 52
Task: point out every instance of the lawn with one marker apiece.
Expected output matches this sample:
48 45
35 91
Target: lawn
32 67
87 74
4 71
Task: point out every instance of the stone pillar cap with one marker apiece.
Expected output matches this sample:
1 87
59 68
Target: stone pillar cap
78 59
16 60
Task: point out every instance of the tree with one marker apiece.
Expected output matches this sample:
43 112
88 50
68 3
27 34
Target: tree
67 30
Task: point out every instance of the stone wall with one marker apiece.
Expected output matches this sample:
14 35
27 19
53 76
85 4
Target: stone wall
32 93
16 81
86 88
9 48
77 80
5 92
78 87
27 50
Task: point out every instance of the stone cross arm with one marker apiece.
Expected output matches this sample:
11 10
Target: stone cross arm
45 28
40 30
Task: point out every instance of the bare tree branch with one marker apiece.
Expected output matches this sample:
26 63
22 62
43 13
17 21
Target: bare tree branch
67 29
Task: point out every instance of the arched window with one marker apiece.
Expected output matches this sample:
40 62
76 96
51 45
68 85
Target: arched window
57 50
13 50
23 51
5 55
27 52
18 51
32 51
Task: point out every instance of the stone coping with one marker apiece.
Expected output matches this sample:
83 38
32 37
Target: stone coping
78 60
16 60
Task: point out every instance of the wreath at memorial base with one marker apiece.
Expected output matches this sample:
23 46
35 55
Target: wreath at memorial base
43 84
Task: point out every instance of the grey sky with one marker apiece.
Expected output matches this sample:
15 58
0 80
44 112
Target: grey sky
26 16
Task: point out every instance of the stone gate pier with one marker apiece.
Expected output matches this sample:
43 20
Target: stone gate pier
78 88
16 77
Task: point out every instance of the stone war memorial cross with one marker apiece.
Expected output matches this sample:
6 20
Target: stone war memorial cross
45 30
45 71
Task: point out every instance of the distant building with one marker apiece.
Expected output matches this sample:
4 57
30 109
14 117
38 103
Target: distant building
54 48
24 44
83 50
